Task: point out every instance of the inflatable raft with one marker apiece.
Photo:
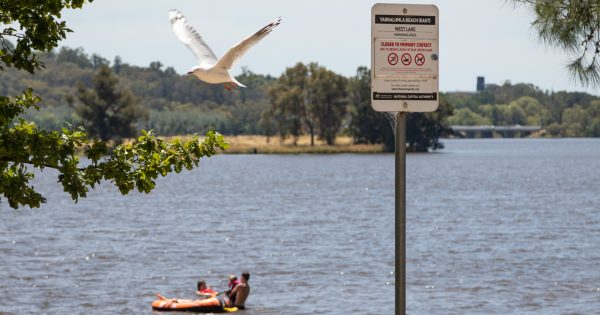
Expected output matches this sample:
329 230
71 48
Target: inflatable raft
209 305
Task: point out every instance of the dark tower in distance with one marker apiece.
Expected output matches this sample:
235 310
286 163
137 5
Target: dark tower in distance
480 84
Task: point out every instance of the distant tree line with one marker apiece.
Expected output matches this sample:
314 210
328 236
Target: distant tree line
560 114
114 100
304 99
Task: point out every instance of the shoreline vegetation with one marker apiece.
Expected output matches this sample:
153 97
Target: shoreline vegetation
157 98
258 144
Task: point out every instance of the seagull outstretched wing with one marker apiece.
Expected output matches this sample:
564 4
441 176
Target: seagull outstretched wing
237 51
192 39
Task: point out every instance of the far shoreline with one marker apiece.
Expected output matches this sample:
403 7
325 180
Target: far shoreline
258 144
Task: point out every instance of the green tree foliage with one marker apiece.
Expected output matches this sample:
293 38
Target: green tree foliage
536 114
107 112
39 30
575 121
581 121
465 116
366 125
312 97
257 86
327 101
23 145
594 112
424 130
525 104
76 56
289 96
574 26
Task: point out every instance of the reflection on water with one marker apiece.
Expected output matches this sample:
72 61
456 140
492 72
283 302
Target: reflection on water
494 227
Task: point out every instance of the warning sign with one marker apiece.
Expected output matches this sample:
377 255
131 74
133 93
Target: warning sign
412 57
393 59
408 34
419 59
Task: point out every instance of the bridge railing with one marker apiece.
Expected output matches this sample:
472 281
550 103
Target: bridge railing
489 131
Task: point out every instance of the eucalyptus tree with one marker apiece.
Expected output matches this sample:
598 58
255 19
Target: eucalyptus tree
288 102
312 97
328 101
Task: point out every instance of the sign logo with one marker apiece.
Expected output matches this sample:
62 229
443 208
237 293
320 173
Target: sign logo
393 59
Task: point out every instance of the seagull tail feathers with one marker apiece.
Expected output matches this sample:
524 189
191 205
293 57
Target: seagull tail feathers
237 82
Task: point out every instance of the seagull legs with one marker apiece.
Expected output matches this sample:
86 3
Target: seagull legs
229 86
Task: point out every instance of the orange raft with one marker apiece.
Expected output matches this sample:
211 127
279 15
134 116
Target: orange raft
209 305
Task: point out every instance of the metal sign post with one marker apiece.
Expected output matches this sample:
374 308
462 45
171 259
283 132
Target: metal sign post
404 78
400 221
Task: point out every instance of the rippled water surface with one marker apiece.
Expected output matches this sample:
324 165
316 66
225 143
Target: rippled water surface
494 227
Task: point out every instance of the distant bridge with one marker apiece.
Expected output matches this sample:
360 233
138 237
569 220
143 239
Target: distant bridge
516 131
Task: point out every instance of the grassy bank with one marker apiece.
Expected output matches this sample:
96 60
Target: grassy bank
259 145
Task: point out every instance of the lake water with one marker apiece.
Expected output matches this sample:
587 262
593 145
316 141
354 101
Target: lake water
493 227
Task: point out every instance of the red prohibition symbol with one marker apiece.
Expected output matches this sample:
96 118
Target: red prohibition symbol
419 59
393 59
406 59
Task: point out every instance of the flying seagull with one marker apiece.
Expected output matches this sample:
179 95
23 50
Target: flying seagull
209 68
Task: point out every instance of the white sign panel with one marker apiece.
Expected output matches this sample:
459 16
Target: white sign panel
404 57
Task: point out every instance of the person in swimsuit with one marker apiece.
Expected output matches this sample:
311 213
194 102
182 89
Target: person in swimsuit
203 290
240 293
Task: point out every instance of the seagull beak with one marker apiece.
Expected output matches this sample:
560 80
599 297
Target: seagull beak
190 72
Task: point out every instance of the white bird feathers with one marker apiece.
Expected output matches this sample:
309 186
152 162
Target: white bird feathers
209 68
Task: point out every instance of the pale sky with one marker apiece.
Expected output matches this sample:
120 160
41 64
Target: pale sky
487 38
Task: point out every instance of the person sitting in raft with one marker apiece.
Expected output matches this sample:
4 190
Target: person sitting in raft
203 290
240 293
